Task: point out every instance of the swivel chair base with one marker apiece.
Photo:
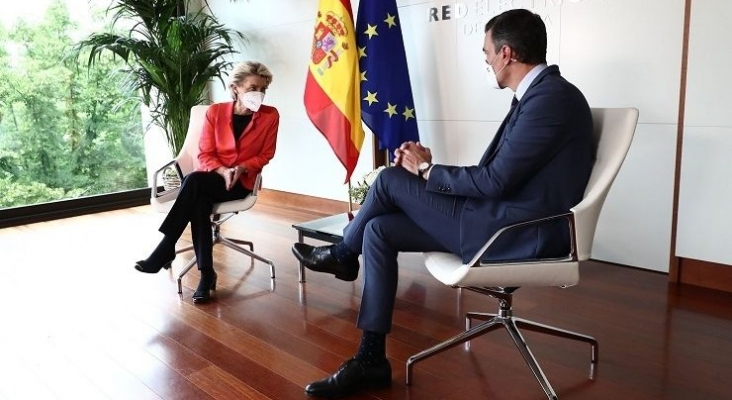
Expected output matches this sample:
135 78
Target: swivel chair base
506 319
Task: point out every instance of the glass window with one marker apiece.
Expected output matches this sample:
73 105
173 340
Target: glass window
65 131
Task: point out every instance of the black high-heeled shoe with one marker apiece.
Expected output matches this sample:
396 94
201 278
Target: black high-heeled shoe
150 268
205 286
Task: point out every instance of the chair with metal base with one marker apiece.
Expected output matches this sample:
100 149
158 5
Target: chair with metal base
613 132
186 163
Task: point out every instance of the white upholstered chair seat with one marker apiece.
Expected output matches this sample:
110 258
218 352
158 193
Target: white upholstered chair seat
450 270
234 205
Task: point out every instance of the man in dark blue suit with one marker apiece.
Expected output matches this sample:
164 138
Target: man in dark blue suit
537 165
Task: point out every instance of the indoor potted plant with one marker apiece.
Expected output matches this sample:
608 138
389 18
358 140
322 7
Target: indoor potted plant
172 52
357 193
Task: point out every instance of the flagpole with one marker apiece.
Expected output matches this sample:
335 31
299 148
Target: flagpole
350 200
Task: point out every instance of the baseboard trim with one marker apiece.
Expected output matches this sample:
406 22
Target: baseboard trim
137 197
705 274
302 202
73 207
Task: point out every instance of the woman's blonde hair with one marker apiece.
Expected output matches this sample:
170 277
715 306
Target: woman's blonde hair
246 69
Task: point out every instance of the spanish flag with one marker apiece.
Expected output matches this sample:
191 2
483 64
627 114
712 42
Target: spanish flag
332 89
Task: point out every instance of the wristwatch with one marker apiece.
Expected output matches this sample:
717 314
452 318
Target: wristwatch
423 168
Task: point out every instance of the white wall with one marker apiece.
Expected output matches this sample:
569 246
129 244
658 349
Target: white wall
607 48
705 220
612 52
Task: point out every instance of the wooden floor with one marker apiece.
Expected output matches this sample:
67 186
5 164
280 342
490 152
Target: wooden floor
78 322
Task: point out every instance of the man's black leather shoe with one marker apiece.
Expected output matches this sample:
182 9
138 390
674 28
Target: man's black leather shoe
320 259
351 377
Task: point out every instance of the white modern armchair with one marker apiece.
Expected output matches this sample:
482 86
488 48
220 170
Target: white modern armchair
185 163
613 132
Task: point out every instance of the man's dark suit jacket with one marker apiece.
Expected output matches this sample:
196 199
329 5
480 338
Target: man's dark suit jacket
537 165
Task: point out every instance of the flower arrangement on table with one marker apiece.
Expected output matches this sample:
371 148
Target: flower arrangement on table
359 191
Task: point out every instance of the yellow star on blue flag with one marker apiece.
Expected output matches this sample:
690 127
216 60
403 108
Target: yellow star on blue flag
384 61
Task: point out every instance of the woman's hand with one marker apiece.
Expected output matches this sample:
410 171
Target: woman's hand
237 172
228 176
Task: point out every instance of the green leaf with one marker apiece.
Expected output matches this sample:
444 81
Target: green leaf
172 56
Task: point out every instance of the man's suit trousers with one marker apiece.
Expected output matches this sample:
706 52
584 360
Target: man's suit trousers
398 215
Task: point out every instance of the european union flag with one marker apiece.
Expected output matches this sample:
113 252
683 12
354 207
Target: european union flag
387 106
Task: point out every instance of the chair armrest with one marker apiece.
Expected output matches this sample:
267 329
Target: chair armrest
257 184
155 194
569 216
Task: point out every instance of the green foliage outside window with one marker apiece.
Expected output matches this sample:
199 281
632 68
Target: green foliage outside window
172 55
65 131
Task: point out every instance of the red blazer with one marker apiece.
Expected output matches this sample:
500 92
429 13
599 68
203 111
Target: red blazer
253 150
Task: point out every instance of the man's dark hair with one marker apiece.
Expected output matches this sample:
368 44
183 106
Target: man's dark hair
521 30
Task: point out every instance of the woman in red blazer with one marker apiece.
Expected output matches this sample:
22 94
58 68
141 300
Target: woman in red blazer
238 140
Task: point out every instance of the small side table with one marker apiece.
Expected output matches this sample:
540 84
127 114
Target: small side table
328 229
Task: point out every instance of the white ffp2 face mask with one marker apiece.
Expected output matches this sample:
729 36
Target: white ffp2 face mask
493 75
252 100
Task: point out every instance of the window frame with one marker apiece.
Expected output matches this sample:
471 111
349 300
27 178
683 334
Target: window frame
42 212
